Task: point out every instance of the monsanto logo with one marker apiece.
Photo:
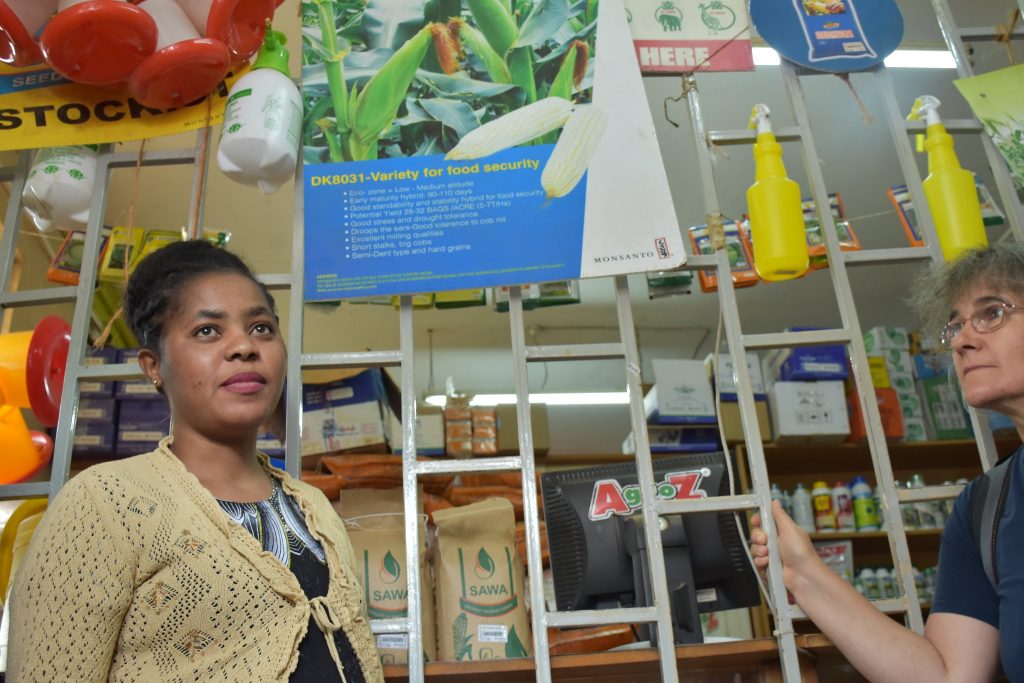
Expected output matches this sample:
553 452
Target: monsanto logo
611 498
390 569
484 568
661 246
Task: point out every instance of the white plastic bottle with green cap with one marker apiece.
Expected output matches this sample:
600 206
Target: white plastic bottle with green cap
259 141
58 190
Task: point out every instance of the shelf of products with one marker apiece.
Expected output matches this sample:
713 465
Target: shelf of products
757 659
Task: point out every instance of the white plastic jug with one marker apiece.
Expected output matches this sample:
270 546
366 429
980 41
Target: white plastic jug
59 187
259 142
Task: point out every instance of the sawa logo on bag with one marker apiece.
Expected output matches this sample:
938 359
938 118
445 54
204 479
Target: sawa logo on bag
390 569
611 498
484 567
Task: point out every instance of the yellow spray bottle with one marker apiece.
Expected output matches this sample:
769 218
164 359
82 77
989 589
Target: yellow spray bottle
776 217
949 189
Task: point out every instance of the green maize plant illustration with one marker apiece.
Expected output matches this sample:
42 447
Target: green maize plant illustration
388 79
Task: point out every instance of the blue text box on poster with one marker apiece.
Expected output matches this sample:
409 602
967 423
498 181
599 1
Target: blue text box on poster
423 224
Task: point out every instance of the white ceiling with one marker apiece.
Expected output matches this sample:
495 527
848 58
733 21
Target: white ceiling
472 345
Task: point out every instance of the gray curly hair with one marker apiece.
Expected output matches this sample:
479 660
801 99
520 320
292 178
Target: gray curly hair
1000 266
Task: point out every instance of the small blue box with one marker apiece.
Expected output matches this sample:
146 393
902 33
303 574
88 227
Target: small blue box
94 438
136 389
932 365
92 388
97 410
810 363
683 439
141 425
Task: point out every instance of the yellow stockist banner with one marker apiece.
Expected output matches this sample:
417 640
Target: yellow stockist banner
40 108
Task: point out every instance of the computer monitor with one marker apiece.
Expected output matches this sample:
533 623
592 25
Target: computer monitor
597 544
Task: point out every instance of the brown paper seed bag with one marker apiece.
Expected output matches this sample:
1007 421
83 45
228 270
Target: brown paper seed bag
378 541
481 605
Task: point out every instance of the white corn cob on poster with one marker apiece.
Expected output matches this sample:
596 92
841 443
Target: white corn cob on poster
453 144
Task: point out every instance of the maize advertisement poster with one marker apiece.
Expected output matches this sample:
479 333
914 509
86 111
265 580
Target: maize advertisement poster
673 37
997 100
454 144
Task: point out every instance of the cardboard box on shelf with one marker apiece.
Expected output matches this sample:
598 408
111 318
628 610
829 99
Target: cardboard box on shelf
429 431
729 414
349 413
910 403
269 445
897 362
888 409
944 414
932 365
508 429
879 373
95 438
681 393
806 363
809 412
140 425
915 429
724 376
94 357
97 410
676 439
485 431
885 339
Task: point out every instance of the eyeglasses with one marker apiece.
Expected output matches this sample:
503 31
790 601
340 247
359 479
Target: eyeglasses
987 319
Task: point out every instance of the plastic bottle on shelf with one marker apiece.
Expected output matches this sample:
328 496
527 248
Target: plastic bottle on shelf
869 581
842 506
946 505
928 514
908 511
887 585
824 512
803 509
865 515
919 585
787 502
778 495
949 189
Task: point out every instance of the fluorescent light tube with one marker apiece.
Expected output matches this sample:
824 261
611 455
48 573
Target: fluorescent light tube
587 398
900 59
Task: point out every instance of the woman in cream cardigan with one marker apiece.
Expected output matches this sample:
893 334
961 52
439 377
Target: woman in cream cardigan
197 561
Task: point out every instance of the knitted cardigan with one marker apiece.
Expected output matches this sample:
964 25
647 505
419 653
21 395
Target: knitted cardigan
136 574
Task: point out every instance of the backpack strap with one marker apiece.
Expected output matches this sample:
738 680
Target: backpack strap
987 502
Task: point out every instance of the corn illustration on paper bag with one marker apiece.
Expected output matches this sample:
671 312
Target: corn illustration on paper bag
481 607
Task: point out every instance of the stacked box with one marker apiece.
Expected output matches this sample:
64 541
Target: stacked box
725 375
485 431
96 427
346 414
458 430
141 425
892 345
429 431
944 410
676 439
681 394
93 357
806 363
809 412
508 429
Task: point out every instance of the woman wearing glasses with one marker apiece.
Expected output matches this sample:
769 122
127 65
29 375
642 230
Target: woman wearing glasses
974 302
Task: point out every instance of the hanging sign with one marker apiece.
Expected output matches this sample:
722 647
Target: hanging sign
472 147
997 100
830 35
40 108
672 36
